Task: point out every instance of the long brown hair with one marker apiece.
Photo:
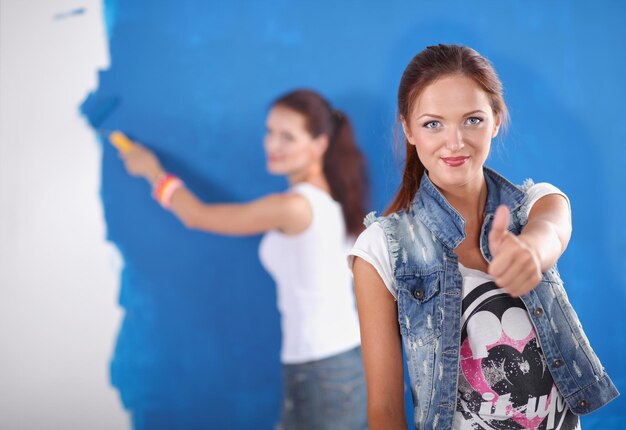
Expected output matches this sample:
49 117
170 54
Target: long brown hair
433 63
344 164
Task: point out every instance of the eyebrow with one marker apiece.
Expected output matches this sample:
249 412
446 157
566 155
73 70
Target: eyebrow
440 117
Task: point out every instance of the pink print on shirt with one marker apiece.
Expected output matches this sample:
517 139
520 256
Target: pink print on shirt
504 381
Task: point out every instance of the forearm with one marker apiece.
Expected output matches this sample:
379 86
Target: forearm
194 213
170 192
188 208
547 241
227 219
389 417
385 385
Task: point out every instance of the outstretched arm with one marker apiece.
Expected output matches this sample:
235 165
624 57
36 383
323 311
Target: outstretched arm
549 229
519 261
289 213
382 349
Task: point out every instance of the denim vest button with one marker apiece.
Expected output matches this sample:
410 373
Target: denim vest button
583 404
557 363
418 294
538 312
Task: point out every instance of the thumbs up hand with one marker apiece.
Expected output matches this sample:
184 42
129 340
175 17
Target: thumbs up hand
515 266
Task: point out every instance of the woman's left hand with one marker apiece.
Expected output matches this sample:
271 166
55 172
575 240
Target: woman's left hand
515 265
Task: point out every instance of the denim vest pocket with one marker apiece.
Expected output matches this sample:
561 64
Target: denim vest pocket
419 313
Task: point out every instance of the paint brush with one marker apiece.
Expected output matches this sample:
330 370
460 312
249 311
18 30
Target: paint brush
120 141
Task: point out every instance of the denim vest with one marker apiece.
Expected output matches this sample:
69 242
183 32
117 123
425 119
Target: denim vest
421 243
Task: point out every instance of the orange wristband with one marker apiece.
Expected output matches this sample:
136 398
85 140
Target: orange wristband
164 189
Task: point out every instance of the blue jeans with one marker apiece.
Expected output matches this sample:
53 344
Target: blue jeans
326 394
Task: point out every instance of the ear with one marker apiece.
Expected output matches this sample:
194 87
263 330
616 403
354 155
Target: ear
320 143
407 132
496 125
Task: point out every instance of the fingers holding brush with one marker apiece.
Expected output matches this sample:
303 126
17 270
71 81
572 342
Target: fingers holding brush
138 160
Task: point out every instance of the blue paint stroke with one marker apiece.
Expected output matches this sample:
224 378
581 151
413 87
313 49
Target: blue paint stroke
199 344
69 14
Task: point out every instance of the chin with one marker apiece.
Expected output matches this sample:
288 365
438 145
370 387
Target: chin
275 170
456 179
448 179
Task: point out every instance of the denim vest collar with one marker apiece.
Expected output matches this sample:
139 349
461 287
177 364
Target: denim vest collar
445 222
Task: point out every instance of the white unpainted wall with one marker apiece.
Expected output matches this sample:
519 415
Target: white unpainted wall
58 277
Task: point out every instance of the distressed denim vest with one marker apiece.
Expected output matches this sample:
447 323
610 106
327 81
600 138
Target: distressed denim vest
421 243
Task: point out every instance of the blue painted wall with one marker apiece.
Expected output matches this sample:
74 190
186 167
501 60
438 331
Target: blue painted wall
200 338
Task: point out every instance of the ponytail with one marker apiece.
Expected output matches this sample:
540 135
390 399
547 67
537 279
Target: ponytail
411 177
345 170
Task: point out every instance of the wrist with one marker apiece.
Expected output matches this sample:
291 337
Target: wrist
164 189
155 176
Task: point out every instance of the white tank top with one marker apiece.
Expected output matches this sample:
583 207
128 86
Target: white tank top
314 286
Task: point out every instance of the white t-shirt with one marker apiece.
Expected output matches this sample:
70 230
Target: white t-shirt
503 382
503 378
314 287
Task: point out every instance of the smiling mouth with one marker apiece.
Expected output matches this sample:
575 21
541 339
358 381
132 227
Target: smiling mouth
454 161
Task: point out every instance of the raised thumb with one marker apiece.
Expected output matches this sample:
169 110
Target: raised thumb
498 227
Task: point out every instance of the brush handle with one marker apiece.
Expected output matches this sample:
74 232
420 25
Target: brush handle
120 141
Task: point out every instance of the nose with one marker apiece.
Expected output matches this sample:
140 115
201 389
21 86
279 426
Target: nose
454 141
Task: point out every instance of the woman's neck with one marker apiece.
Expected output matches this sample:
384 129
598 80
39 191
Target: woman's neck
313 175
469 201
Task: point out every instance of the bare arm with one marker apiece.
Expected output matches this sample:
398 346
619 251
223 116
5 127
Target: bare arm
519 261
382 349
549 229
289 213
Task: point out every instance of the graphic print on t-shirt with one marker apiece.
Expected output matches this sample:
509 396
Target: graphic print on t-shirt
504 382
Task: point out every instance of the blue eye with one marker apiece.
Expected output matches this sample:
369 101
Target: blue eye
474 120
432 124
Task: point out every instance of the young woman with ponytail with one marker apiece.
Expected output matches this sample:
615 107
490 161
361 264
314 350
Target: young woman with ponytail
308 230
